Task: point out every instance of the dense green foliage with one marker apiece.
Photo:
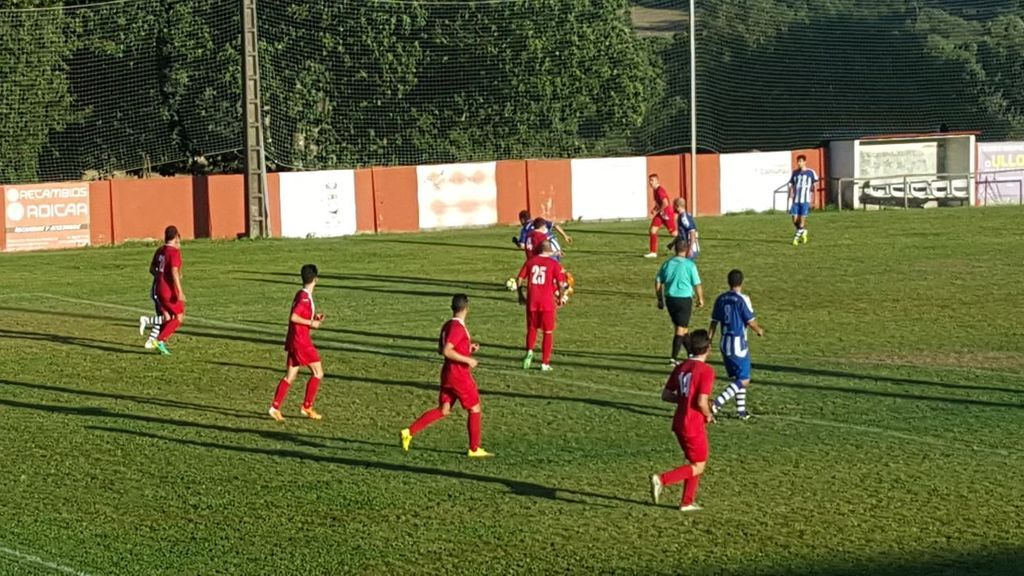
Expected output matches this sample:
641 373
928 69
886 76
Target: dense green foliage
888 389
129 85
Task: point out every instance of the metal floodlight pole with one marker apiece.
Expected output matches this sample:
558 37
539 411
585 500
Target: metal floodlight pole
693 108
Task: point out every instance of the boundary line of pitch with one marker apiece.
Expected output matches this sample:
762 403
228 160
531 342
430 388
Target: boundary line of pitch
583 383
39 562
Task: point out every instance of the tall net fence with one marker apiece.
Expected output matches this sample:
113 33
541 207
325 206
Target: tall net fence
92 90
95 90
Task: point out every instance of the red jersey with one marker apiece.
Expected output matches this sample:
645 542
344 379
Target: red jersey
689 380
534 242
165 259
661 199
454 373
298 334
545 276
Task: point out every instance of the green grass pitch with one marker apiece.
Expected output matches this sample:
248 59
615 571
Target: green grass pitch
889 391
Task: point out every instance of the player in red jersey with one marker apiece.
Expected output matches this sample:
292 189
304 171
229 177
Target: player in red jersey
663 212
457 381
542 285
167 292
689 387
300 349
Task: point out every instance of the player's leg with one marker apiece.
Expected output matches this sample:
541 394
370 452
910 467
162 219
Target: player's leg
548 345
282 389
733 369
803 223
156 321
741 398
653 238
313 385
176 311
680 310
532 325
469 397
685 473
695 448
445 399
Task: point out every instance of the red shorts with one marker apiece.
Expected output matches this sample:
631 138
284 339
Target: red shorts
541 320
669 221
466 394
695 446
170 303
303 357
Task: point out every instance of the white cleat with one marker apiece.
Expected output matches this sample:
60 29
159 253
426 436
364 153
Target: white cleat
143 323
651 255
546 368
150 343
656 487
691 508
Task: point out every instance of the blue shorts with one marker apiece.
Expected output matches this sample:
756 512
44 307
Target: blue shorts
800 208
737 367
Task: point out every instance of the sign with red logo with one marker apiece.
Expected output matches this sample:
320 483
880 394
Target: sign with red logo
46 216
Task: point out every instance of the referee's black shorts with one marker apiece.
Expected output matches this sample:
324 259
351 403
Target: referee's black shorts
679 309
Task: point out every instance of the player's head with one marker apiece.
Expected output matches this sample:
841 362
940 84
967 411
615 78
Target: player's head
679 204
460 304
735 279
309 274
801 161
681 247
540 224
654 181
698 343
171 234
546 248
524 217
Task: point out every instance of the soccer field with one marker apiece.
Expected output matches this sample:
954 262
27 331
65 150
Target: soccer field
888 394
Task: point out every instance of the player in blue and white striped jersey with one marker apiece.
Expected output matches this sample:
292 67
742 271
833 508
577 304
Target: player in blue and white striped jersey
801 191
686 229
735 313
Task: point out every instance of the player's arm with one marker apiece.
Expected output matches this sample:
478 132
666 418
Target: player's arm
753 325
711 330
176 274
659 293
699 289
313 323
561 231
450 353
521 285
670 393
705 408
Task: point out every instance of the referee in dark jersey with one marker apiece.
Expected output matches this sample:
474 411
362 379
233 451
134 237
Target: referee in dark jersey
674 286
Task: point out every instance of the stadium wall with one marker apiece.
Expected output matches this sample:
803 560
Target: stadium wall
393 199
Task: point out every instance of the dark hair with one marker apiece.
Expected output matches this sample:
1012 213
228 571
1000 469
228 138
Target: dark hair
170 233
801 157
679 246
309 273
538 222
524 215
459 303
697 342
735 278
655 175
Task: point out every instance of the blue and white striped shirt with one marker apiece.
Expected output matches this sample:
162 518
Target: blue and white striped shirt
803 182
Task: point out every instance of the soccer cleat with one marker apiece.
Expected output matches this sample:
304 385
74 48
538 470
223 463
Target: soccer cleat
691 508
528 360
162 348
406 439
479 453
143 322
546 368
674 362
311 414
796 240
656 487
276 414
743 415
150 343
651 255
804 237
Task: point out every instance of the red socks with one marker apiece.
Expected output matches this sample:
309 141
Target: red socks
428 418
473 424
311 389
168 329
531 338
690 490
654 243
549 346
282 391
678 475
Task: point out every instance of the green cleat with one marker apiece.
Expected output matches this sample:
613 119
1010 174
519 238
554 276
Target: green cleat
162 348
528 360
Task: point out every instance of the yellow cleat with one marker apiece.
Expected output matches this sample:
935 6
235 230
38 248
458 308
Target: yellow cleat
804 237
276 414
479 453
406 439
311 414
796 240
